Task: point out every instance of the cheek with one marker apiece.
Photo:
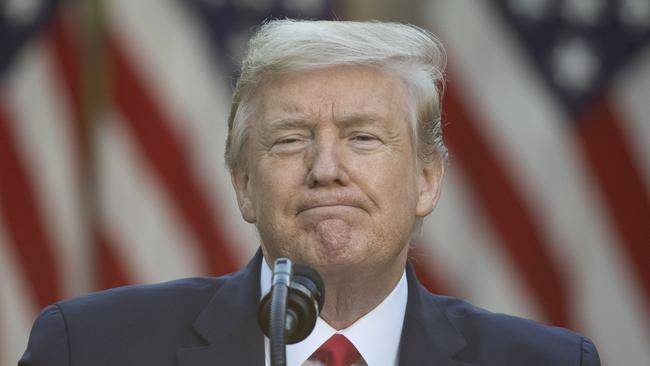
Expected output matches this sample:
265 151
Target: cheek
393 176
276 185
401 190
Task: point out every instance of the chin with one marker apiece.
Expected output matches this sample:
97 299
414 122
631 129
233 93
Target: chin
329 257
334 247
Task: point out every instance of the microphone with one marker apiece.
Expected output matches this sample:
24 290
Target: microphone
289 311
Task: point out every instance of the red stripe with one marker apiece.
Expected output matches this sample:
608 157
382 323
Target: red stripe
109 269
169 158
426 276
610 159
24 220
505 209
68 65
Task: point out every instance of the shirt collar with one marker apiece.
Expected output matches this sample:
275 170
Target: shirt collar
376 335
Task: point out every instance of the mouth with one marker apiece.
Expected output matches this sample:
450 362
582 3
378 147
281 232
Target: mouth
318 214
335 206
330 211
332 204
326 204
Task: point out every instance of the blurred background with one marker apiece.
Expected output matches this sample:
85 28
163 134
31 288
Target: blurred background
113 125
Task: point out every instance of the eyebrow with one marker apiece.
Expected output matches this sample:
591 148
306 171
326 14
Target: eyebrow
288 124
347 121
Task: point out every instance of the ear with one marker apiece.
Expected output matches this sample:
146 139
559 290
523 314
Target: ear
429 185
240 181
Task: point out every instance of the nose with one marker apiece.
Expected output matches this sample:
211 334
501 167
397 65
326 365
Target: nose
326 163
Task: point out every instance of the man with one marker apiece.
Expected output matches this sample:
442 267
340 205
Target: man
336 155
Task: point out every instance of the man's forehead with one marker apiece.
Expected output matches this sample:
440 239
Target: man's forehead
277 111
347 95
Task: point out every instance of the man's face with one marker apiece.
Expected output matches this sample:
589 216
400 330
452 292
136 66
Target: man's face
332 178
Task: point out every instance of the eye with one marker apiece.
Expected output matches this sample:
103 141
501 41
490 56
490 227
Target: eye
289 144
365 138
365 141
287 140
290 139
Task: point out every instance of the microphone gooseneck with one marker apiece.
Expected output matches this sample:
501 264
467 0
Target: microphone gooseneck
279 290
288 313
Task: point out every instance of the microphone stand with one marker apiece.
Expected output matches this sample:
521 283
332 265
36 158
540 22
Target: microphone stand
288 313
281 280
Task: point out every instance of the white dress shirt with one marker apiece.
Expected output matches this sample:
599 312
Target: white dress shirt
376 335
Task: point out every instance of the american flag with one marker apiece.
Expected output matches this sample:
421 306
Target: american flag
113 124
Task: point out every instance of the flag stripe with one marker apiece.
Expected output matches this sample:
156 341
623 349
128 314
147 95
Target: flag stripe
462 247
611 162
630 96
109 270
427 277
511 219
24 220
168 158
17 309
66 55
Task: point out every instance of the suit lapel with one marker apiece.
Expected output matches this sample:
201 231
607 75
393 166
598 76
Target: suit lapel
229 323
428 337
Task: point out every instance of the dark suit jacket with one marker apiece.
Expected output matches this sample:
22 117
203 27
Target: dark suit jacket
212 321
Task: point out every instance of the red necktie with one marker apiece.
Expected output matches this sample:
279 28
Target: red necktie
337 351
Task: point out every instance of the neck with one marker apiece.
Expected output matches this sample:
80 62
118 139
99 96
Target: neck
353 294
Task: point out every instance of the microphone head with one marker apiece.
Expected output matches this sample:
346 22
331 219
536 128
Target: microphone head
309 278
305 300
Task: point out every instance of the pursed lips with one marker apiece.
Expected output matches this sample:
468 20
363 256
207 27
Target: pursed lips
325 204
